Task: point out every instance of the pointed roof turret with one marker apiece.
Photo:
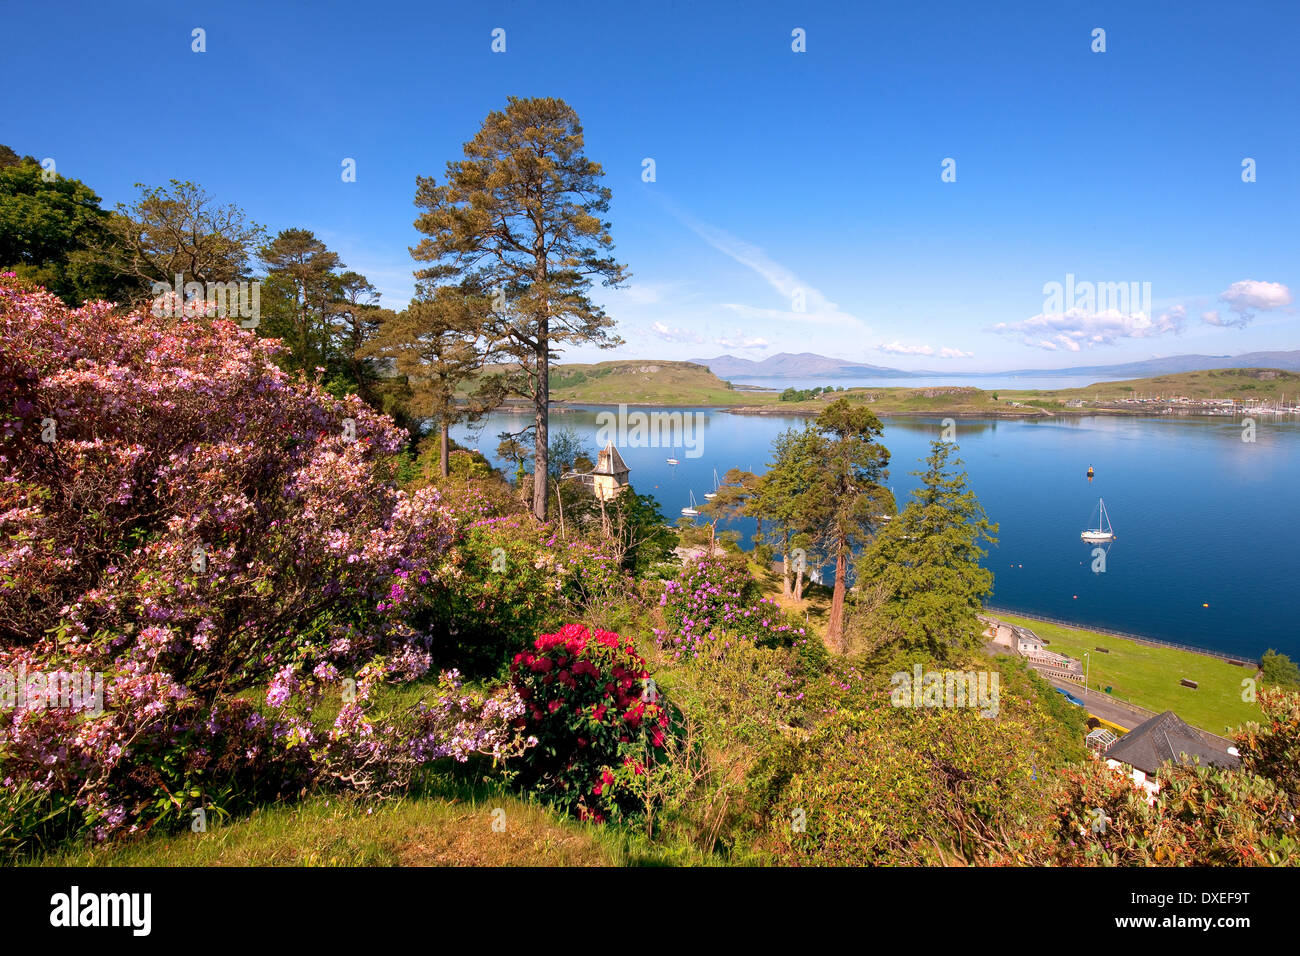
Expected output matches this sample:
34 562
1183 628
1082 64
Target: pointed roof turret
610 462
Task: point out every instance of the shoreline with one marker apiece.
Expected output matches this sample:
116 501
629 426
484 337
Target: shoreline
801 411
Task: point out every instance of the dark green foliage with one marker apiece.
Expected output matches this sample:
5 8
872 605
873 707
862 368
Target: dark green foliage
1279 669
48 230
924 565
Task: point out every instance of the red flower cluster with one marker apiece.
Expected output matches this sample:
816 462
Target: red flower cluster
596 714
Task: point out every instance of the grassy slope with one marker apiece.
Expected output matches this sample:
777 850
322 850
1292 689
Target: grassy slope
320 831
421 830
1148 676
1242 384
667 383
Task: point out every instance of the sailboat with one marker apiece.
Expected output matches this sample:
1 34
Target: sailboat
714 493
673 461
1103 531
692 511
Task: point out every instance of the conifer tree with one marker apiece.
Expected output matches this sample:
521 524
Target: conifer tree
519 218
844 503
433 345
927 562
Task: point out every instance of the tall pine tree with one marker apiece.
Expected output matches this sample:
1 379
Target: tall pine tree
845 502
520 219
926 562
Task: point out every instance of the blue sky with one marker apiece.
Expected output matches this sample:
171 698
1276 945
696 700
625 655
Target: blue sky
777 173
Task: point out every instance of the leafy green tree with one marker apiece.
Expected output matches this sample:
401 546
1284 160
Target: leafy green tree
737 497
638 535
926 561
847 499
519 219
431 344
180 230
778 497
355 317
302 287
48 229
9 158
1279 669
512 451
904 786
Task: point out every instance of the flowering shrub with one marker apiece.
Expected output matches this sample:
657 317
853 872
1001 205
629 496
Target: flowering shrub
180 515
504 579
597 727
714 602
1203 816
379 753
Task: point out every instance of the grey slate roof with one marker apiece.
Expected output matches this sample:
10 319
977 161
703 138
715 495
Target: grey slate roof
610 462
1164 738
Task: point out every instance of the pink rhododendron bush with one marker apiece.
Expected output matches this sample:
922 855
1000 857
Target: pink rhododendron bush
223 544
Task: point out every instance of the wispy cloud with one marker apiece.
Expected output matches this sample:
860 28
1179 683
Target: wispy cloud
944 352
738 341
805 303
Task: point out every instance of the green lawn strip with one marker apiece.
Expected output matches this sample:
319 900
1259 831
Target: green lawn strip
1149 676
337 830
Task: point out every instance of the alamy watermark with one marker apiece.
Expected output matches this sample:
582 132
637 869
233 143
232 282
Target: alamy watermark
227 300
68 690
1124 298
652 430
946 689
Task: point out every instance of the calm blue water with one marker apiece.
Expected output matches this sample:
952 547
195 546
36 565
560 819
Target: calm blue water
1201 517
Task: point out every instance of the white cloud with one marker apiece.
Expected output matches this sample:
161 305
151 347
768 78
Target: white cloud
1247 297
674 335
898 348
1078 329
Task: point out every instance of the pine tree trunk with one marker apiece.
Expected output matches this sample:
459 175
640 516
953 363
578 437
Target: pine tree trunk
444 444
835 629
541 397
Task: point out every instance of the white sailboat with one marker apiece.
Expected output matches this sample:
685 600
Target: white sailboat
714 493
1103 531
692 511
673 461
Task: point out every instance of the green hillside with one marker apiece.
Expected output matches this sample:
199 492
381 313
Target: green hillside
1242 385
647 383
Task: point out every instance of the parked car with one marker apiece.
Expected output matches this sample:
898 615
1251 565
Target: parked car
1068 696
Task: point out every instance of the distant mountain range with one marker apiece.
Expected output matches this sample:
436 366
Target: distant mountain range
810 365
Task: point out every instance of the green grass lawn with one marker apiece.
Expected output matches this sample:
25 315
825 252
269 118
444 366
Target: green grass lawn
419 830
1148 676
338 831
